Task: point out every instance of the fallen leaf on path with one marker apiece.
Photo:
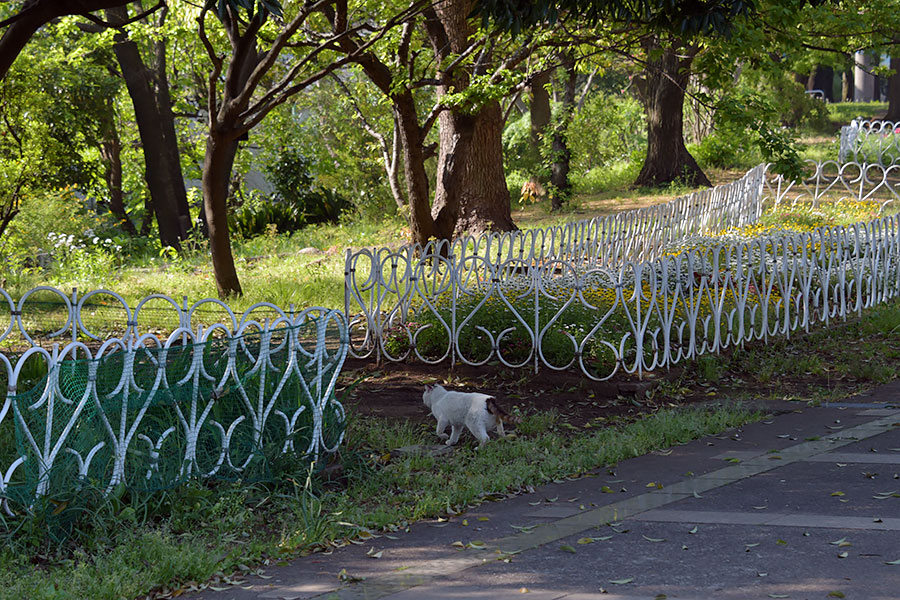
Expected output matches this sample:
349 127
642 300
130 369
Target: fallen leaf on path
622 581
567 548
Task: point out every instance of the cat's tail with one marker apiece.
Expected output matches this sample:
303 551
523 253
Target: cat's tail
500 414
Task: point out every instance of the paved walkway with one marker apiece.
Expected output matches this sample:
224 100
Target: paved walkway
803 505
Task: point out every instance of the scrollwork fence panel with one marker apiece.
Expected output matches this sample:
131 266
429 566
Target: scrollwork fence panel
645 315
221 401
874 141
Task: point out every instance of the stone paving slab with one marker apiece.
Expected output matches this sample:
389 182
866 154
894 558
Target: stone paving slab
768 518
813 487
717 561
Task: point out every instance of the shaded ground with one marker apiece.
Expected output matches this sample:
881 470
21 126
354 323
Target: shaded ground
845 360
394 390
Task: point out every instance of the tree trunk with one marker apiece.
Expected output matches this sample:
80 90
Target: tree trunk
163 98
540 110
560 188
662 91
893 112
483 196
217 164
847 84
156 127
471 193
412 144
111 153
823 79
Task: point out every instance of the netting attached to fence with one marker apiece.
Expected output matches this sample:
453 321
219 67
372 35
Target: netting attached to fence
151 413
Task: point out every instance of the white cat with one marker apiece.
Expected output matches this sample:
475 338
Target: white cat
479 412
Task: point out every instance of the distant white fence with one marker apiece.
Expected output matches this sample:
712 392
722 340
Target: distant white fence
872 141
835 182
223 399
611 240
564 310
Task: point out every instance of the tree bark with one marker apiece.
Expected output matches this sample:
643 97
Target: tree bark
483 196
662 91
156 126
540 110
561 189
111 153
847 84
217 163
471 193
893 112
823 79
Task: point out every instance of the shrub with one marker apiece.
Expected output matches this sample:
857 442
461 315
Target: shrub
297 201
54 227
607 129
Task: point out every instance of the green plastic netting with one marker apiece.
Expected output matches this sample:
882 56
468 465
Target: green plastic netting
149 415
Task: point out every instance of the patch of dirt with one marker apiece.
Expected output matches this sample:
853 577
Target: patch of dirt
394 391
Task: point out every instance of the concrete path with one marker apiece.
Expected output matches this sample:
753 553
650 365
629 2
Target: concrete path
805 505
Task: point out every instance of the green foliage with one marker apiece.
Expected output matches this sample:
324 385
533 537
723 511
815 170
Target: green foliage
518 152
727 148
681 18
297 202
617 175
607 129
251 7
55 229
751 116
341 155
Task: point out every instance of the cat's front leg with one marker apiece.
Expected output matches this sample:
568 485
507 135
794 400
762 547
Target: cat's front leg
454 435
441 426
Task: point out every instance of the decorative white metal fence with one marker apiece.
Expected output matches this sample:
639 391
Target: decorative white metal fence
870 141
610 240
226 400
835 182
531 310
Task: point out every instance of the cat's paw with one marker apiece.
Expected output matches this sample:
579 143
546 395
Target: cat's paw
443 436
449 442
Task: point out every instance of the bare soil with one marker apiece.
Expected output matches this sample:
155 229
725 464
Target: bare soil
394 391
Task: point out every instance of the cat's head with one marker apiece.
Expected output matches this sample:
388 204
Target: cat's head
431 393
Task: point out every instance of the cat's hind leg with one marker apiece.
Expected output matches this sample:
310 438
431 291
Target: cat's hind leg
479 430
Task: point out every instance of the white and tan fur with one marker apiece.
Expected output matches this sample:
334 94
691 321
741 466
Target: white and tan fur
480 413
